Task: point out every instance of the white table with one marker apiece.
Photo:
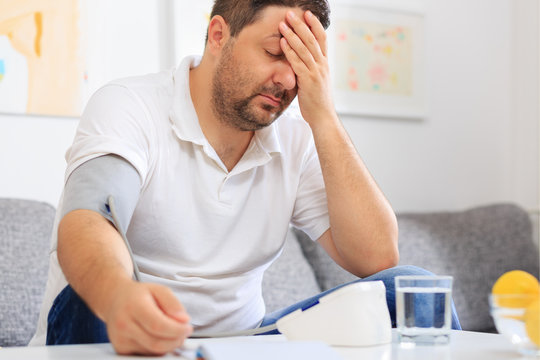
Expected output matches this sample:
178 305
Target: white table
464 345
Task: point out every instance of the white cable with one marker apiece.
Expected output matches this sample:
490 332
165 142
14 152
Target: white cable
116 223
257 331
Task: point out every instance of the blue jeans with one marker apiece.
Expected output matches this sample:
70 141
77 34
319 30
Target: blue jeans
70 321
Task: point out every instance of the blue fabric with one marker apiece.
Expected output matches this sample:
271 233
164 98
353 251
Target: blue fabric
386 276
70 321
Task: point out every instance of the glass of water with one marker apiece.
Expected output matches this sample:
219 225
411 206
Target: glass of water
423 309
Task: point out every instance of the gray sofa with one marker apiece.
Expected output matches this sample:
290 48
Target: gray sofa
475 246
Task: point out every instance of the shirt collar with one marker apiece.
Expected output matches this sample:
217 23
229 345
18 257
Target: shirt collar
185 122
183 116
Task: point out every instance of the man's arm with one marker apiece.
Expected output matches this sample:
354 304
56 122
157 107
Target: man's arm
363 229
140 318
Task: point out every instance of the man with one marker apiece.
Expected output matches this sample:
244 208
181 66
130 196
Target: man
208 169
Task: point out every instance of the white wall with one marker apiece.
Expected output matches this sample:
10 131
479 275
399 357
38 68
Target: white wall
478 145
32 156
124 42
479 142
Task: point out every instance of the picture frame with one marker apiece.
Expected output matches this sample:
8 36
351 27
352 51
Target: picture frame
54 54
377 58
41 67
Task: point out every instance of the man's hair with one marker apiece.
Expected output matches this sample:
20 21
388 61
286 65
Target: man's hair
241 13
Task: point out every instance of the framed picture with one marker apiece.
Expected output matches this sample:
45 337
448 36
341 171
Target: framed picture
376 54
54 54
41 67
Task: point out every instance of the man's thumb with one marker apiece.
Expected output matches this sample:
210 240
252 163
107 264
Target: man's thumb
169 304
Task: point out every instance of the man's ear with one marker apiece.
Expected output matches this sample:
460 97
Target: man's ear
218 34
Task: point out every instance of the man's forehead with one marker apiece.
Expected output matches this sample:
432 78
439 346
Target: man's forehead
270 17
274 35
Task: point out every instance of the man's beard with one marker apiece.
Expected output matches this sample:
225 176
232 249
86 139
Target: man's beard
241 113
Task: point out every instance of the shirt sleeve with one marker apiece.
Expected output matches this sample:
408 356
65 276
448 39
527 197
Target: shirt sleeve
115 121
310 212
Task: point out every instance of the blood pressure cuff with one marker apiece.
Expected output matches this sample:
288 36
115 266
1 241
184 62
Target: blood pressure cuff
90 185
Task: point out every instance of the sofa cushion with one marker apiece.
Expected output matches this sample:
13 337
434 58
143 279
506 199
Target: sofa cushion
289 279
328 273
475 247
25 230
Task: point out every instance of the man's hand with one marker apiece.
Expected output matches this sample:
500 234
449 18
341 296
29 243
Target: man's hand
141 318
363 229
304 45
146 319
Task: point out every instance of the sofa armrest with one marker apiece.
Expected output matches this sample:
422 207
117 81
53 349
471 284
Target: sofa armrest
25 231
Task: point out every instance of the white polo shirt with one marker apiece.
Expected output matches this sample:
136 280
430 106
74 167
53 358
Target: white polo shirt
201 230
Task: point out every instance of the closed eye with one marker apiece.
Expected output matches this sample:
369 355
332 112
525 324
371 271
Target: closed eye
275 56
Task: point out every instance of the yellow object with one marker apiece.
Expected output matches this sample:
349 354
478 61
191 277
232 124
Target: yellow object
532 322
519 289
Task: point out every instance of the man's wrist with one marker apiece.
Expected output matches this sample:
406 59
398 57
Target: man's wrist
323 122
106 290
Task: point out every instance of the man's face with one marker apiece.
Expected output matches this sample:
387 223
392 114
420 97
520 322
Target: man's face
253 82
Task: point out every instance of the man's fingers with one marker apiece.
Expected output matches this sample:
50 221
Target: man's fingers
306 38
169 304
297 45
141 342
293 59
131 338
153 320
128 347
151 343
147 319
157 324
164 327
318 31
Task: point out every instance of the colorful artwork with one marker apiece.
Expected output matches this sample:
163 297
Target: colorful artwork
41 65
375 58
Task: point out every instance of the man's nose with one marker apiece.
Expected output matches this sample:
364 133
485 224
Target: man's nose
284 75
